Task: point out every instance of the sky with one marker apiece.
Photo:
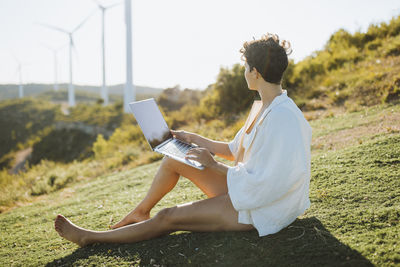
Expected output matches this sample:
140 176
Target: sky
175 42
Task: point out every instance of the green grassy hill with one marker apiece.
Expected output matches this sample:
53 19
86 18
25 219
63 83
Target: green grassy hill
40 124
350 94
352 69
353 219
21 120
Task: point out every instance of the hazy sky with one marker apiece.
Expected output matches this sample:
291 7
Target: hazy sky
175 41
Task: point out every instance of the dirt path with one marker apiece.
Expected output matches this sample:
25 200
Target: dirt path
388 123
20 159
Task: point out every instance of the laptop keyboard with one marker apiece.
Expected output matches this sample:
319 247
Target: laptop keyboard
176 148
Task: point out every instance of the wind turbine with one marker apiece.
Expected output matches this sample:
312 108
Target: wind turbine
55 51
19 70
104 89
71 92
129 90
20 86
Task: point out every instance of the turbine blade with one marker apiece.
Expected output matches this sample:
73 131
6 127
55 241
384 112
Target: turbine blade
83 22
15 57
98 4
52 27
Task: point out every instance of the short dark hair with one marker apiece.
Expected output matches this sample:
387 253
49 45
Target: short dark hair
268 56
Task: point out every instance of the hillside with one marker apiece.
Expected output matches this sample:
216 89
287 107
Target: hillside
353 219
20 120
9 91
92 164
352 70
31 122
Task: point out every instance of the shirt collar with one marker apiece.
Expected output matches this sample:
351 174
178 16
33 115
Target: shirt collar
277 100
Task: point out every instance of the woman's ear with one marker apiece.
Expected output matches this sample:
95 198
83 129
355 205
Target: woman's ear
255 72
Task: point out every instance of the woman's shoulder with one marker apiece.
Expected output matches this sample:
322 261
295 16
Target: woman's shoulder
288 118
282 118
282 113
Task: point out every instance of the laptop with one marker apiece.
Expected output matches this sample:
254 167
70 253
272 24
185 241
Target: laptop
157 133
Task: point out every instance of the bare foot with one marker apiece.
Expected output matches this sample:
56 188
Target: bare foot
70 231
132 217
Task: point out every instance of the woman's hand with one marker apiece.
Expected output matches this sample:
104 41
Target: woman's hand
201 155
184 136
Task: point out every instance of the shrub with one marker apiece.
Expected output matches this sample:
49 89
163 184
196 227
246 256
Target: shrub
64 145
228 97
21 119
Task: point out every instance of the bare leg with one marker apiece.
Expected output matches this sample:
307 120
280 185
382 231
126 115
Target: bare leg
209 215
210 182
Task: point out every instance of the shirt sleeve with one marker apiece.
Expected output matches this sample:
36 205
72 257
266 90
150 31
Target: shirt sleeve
234 144
277 164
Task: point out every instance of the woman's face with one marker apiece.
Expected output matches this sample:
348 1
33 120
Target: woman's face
251 77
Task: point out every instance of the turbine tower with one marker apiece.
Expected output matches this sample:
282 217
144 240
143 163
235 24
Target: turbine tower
104 89
129 90
71 91
20 86
19 70
55 51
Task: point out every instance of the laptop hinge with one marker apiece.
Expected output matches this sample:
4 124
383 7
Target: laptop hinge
163 143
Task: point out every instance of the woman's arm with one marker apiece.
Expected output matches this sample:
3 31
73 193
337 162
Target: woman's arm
220 149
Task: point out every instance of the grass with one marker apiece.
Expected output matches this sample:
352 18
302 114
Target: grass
336 129
353 219
352 69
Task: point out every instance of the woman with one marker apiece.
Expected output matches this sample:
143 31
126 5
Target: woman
267 188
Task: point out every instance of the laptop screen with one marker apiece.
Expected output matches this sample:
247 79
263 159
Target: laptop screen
151 121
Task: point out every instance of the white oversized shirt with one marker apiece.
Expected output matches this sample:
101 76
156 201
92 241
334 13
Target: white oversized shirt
270 187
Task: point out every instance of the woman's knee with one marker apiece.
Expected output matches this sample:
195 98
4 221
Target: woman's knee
175 166
169 163
165 216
